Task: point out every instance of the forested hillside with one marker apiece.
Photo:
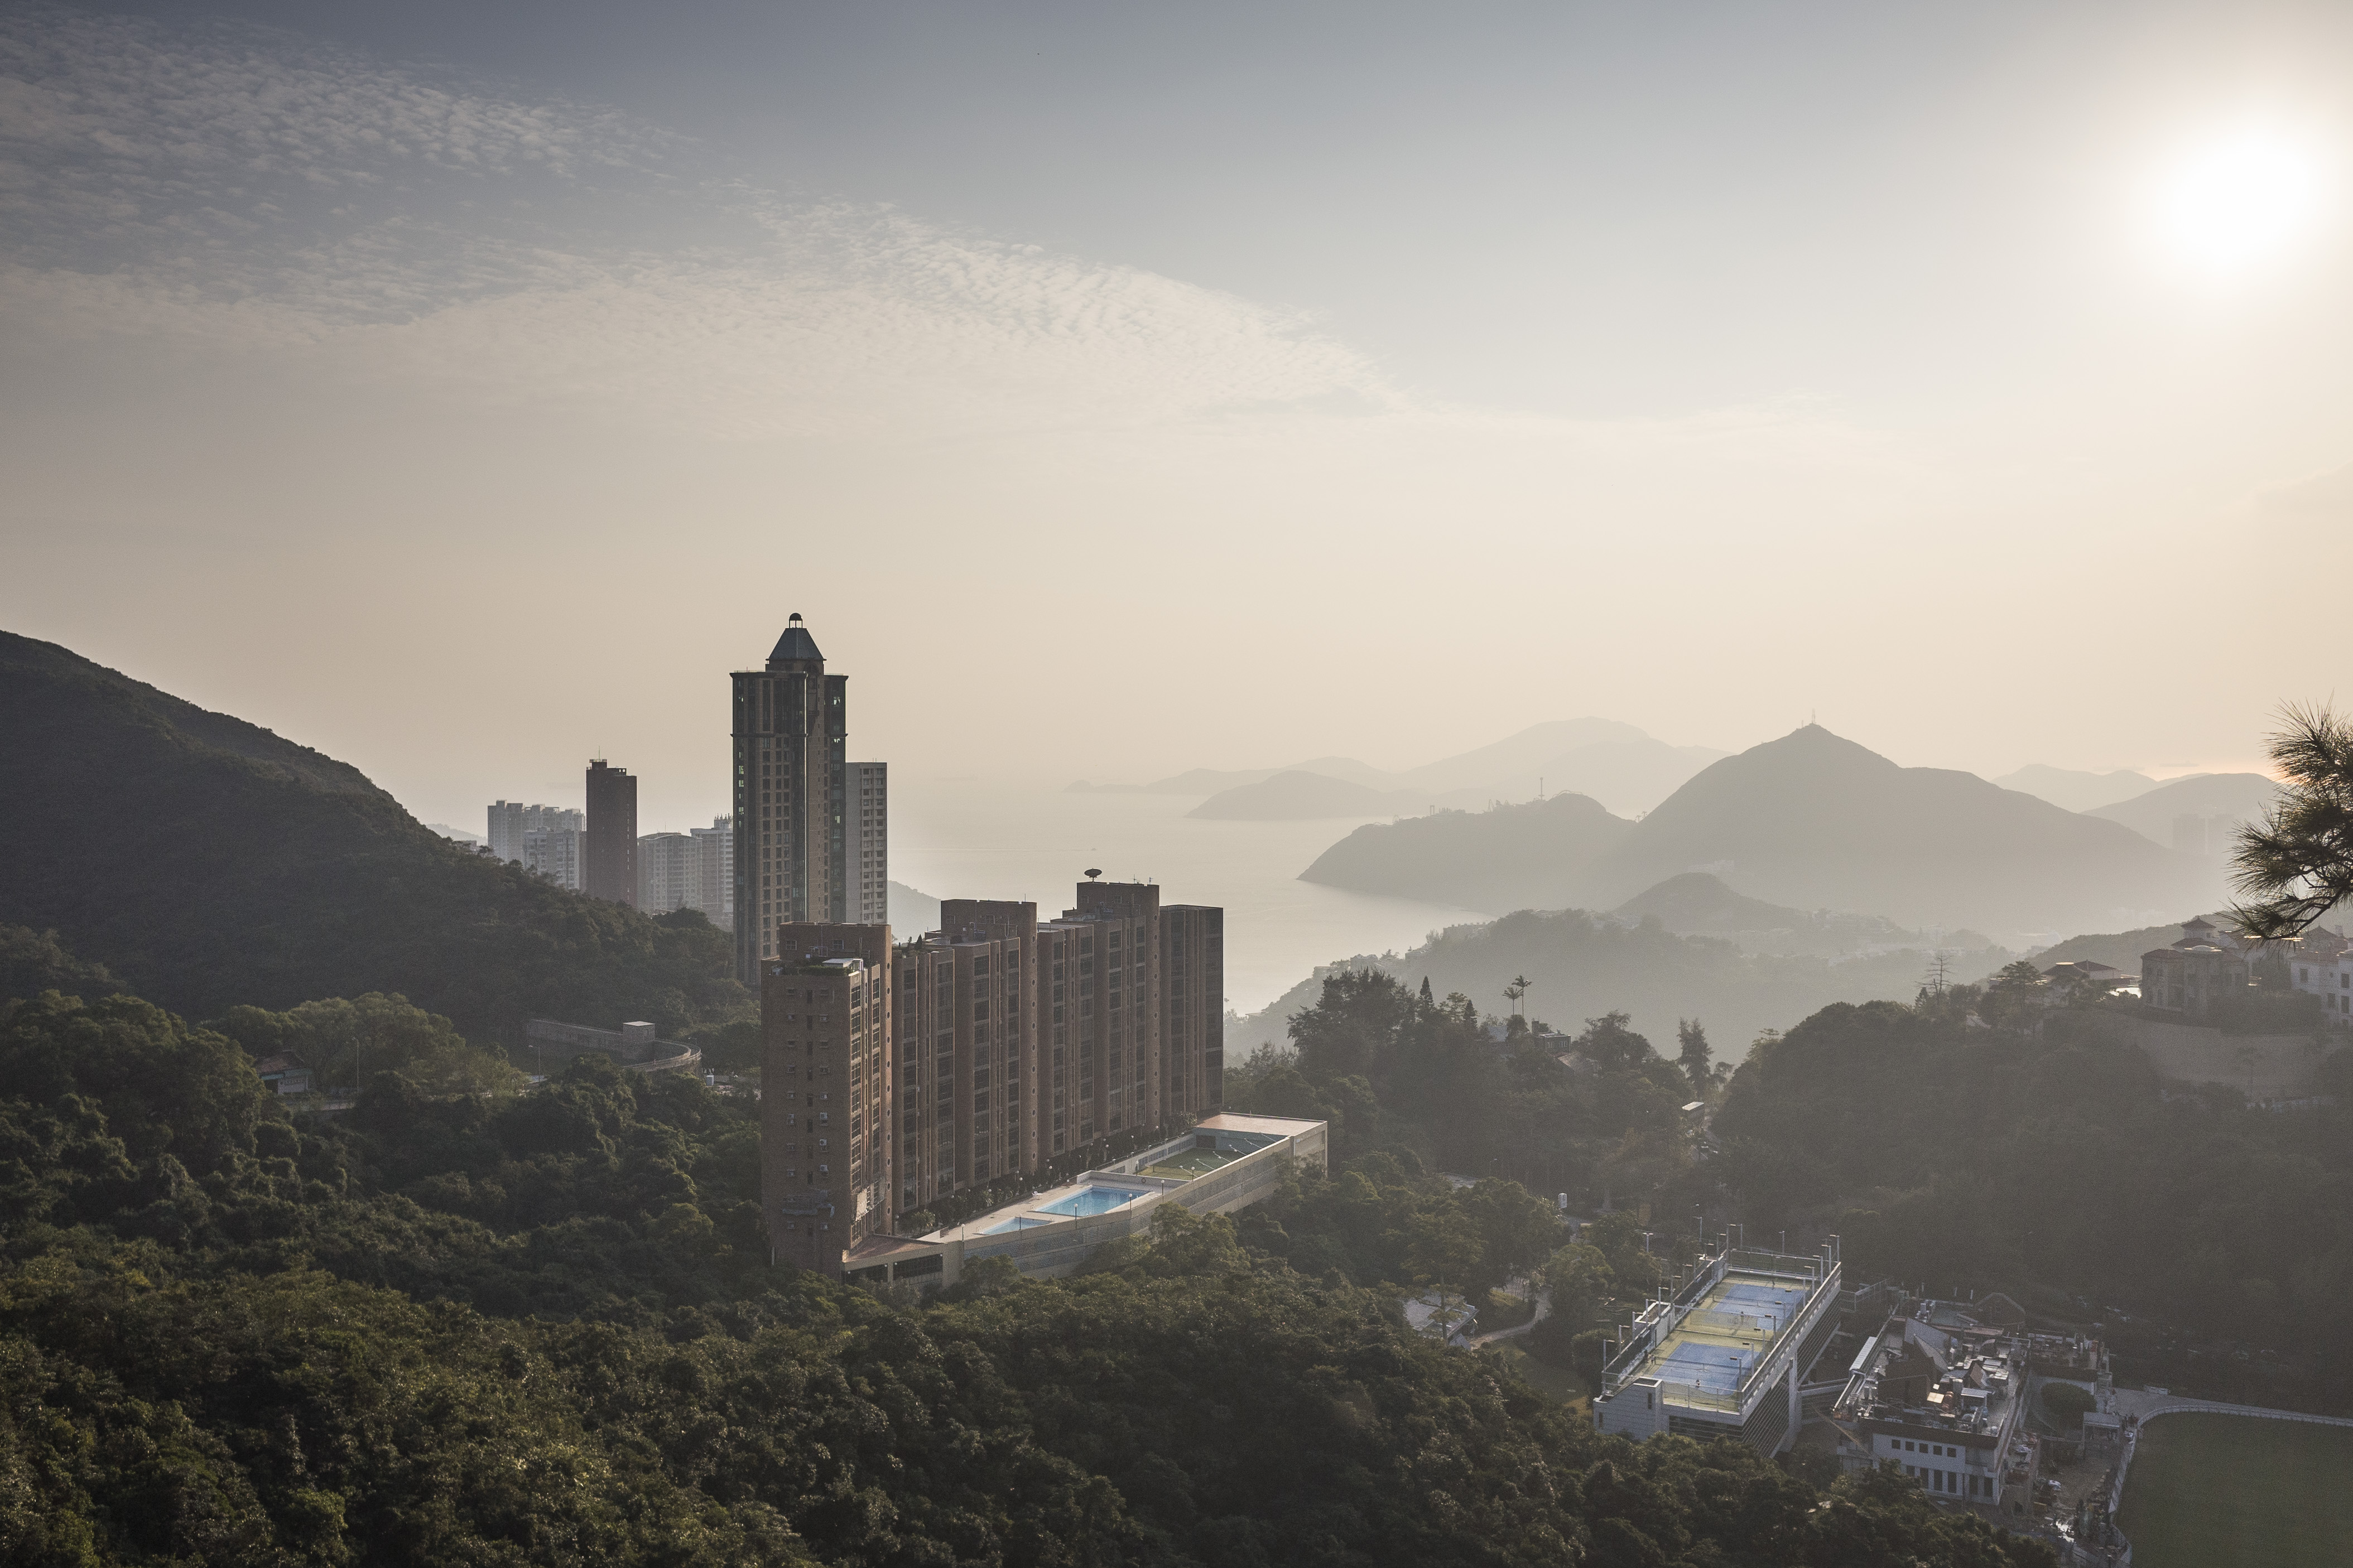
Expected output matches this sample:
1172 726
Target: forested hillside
1583 965
208 862
1977 1140
500 1328
2056 1164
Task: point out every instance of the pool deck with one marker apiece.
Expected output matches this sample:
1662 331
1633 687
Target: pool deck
1227 1162
1049 1206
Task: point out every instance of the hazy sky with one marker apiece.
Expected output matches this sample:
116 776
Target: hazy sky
463 389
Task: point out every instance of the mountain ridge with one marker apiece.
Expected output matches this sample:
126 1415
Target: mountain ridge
1600 757
1813 821
241 867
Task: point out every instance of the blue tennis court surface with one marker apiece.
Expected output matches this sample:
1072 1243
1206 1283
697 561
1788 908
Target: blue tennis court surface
1719 1341
1714 1367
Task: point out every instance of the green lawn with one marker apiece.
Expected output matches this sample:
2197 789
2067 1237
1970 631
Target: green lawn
2211 1491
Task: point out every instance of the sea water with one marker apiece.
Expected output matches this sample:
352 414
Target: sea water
962 838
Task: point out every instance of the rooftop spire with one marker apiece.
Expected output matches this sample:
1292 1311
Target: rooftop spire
794 645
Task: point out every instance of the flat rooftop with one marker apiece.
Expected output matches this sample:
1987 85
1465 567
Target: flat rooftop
1728 1331
1143 1177
1709 1348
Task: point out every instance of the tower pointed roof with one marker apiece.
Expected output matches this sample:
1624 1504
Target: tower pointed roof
794 645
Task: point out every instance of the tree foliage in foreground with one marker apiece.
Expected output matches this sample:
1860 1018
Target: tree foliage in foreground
537 1329
2297 864
2055 1158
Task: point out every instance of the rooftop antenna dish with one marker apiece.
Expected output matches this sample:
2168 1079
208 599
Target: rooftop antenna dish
1092 872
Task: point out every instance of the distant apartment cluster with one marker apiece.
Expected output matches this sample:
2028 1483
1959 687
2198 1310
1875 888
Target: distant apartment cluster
898 1074
690 870
544 840
599 852
2208 967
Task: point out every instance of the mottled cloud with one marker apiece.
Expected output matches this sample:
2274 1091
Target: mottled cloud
262 193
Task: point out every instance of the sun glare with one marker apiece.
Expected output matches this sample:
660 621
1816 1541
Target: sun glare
2236 202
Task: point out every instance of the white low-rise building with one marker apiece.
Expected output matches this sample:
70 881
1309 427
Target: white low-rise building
2322 963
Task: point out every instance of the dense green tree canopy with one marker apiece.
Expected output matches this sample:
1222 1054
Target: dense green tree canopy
539 1327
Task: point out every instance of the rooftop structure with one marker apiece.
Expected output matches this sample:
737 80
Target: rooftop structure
1943 1391
1229 1162
1726 1354
2321 963
2206 968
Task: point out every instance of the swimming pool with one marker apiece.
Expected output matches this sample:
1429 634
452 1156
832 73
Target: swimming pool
1091 1201
1020 1222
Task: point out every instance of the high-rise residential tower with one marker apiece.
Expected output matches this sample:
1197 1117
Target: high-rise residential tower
507 818
609 860
663 871
1192 1010
826 1089
809 824
553 852
866 813
711 871
964 1048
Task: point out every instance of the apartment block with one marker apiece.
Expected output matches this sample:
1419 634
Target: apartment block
512 822
1115 1071
711 871
826 1181
609 859
1192 1010
866 816
663 867
505 832
965 1039
554 853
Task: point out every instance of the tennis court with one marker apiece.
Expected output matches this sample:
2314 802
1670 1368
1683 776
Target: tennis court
1191 1162
1730 1331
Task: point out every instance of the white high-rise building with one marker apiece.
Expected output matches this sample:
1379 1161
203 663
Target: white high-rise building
512 822
866 818
663 871
711 871
506 828
554 853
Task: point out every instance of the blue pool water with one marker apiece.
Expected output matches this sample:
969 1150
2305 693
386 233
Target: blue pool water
1022 1222
1091 1201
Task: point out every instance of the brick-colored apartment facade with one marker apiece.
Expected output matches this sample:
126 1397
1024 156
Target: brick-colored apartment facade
897 1076
826 1180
